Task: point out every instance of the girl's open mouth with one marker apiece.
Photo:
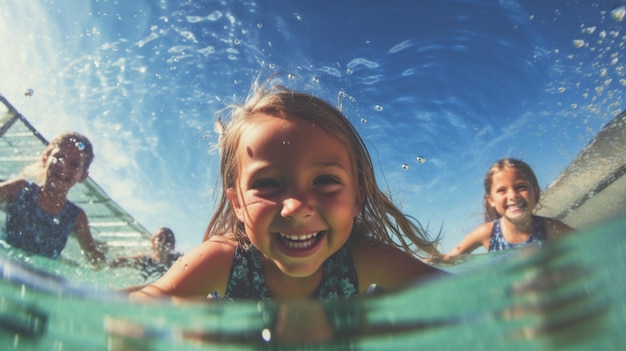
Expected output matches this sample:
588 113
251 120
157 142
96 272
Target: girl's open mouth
300 242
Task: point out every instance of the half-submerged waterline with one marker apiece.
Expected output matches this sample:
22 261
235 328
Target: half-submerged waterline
571 295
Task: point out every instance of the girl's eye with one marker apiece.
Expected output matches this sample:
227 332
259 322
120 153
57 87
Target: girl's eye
265 184
324 180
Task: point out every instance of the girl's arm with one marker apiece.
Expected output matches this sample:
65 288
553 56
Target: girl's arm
10 188
201 271
85 239
477 237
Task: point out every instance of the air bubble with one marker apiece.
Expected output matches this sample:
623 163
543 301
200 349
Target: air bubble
378 107
363 120
56 221
29 92
405 166
421 159
80 145
266 334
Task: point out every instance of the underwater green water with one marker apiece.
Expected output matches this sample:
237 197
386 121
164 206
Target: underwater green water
569 296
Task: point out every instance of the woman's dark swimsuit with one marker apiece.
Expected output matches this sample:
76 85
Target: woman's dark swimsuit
498 242
29 228
339 279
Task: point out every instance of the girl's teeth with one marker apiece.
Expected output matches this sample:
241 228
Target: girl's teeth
298 241
298 237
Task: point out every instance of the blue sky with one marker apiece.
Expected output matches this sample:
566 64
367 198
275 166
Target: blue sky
459 83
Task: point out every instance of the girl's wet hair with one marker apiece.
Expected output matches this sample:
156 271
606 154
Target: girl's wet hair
379 220
77 140
506 163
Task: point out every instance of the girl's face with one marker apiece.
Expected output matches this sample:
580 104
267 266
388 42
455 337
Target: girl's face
295 193
162 242
64 165
512 196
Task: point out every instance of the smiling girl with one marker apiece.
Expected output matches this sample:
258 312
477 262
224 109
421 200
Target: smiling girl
300 214
39 217
511 194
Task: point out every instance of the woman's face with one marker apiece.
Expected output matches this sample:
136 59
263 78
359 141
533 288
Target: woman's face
296 193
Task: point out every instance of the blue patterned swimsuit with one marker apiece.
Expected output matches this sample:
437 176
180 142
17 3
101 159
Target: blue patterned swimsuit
498 242
29 228
339 279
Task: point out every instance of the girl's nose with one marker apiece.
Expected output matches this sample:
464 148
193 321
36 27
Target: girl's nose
296 207
513 194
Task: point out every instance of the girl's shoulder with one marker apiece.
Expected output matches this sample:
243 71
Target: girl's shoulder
199 272
554 227
387 266
10 188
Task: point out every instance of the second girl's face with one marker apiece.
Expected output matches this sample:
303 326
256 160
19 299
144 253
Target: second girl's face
512 196
296 193
65 165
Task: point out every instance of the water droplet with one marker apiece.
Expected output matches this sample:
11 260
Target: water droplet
363 120
421 159
316 79
378 107
618 14
266 334
80 145
291 76
29 92
185 267
271 66
405 166
259 25
56 221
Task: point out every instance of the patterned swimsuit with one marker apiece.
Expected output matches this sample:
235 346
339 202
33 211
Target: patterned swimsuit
339 279
498 242
29 228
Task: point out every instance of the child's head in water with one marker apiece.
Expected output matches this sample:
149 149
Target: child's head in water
163 240
67 158
518 174
287 157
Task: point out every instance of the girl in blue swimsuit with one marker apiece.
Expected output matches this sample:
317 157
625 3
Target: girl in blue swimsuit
511 194
39 217
300 214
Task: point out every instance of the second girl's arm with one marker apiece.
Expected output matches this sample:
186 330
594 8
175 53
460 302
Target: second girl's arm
87 244
473 240
10 188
